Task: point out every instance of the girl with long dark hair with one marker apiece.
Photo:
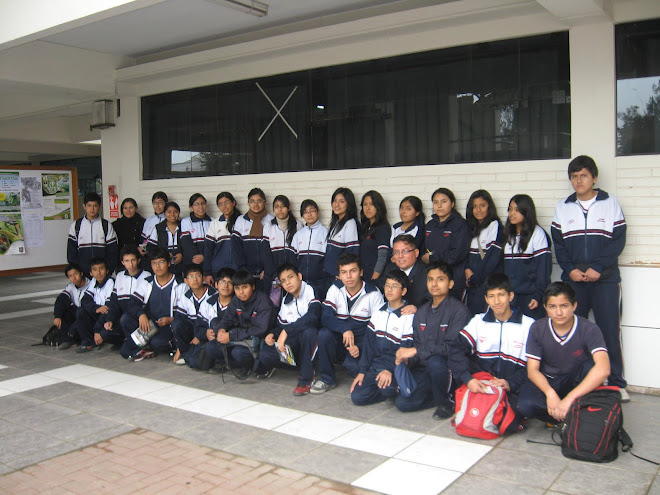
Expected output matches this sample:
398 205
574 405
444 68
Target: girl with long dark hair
343 234
194 228
412 222
129 226
527 256
167 235
374 235
280 234
486 254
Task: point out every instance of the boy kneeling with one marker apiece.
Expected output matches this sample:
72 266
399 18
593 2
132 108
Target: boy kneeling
566 357
297 326
386 332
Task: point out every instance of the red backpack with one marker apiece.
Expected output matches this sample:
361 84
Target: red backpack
485 416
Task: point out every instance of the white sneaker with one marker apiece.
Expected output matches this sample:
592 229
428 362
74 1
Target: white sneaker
625 397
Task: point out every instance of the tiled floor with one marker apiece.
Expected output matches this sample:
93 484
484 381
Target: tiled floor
53 402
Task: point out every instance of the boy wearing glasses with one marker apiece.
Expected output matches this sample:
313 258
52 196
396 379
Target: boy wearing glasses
386 332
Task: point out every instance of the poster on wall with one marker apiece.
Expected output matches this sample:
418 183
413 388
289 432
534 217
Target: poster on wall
11 234
56 196
10 192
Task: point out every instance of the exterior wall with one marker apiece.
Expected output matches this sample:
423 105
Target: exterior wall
633 180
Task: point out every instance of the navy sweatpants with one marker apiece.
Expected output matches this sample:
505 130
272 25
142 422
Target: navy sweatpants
605 300
239 355
433 386
369 392
161 342
331 350
303 345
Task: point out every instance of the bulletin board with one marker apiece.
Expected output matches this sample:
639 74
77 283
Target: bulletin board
37 206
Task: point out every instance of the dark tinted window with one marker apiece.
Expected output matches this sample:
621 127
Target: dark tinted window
499 101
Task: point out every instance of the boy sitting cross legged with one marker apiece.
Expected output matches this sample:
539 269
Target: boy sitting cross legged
211 308
113 324
152 301
435 326
566 357
297 326
186 310
67 305
93 305
250 315
388 330
347 308
493 342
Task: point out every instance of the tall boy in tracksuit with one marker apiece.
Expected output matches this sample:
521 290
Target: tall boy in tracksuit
435 327
211 308
249 317
388 331
93 305
589 233
309 245
493 342
348 306
152 303
297 326
113 325
67 304
187 308
92 237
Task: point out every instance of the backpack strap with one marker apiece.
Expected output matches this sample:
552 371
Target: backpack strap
627 446
104 224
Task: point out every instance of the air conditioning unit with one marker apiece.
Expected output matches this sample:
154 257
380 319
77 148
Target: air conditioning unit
103 115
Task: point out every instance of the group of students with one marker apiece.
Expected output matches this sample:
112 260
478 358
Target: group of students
254 292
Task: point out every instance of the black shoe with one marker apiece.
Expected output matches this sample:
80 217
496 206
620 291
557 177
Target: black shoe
266 374
64 346
444 411
241 373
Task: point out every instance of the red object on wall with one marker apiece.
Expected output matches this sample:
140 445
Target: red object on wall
114 206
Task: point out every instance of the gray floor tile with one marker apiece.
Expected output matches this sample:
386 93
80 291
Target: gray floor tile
655 488
336 463
4 469
55 391
581 478
129 411
7 427
171 421
42 455
219 434
342 407
444 429
469 483
24 443
15 402
418 421
11 373
102 435
90 400
40 414
274 448
517 467
72 428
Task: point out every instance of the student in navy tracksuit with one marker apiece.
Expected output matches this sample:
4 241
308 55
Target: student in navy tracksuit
346 311
297 326
387 330
92 305
343 236
151 308
309 244
527 256
435 327
374 235
167 235
249 237
218 246
280 234
91 240
413 221
249 317
589 232
448 238
113 324
211 308
186 311
67 304
158 201
486 255
193 230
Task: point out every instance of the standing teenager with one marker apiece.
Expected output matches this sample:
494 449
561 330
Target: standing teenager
280 234
486 254
374 235
218 252
129 227
158 201
412 221
167 235
309 244
194 228
527 256
343 231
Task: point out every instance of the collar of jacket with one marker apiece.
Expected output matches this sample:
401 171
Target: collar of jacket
516 317
600 196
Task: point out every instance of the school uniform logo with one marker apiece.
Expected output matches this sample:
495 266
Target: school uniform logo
517 345
578 353
422 326
447 233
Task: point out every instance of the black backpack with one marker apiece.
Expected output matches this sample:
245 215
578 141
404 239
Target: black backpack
593 427
53 337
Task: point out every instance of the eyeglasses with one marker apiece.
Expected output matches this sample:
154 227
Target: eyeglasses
225 283
403 252
310 212
393 287
199 204
256 201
